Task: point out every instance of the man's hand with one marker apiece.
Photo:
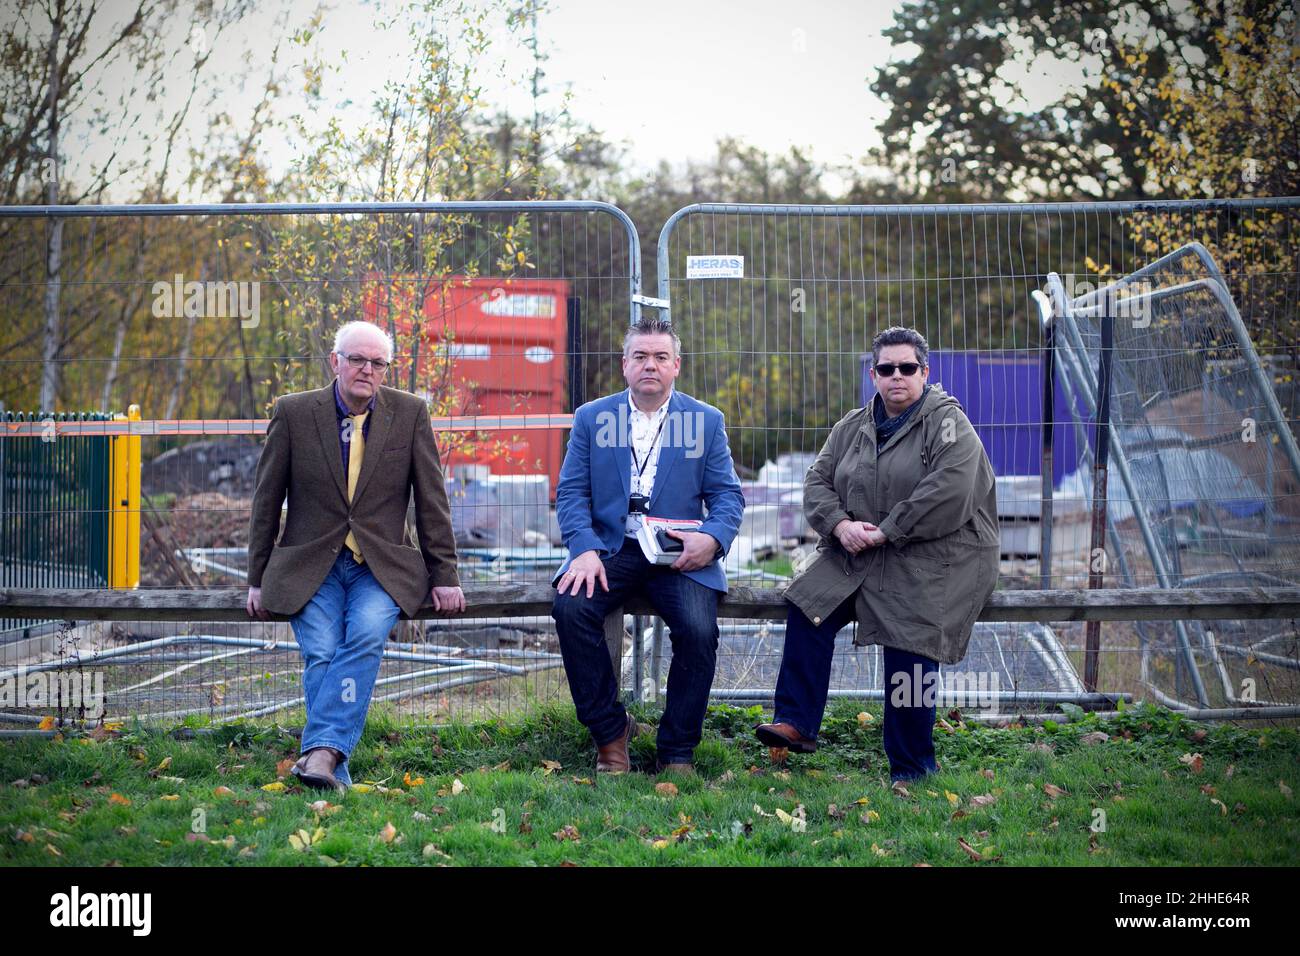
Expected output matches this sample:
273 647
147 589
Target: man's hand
254 605
448 600
875 537
855 536
585 569
698 549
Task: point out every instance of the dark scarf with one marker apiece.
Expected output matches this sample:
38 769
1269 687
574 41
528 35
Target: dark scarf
886 428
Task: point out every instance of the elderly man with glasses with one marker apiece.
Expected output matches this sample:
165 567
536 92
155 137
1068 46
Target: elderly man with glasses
349 456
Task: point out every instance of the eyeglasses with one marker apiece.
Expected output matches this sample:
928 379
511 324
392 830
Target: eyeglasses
887 369
360 362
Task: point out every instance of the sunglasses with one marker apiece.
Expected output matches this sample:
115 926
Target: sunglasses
887 369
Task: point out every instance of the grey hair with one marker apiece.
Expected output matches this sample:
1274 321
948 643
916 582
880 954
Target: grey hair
347 329
651 326
897 335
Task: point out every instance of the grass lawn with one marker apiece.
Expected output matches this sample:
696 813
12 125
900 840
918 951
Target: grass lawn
1159 791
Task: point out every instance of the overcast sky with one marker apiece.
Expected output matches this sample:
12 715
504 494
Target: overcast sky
665 80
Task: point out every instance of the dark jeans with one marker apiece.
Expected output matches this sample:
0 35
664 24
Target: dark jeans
691 612
805 677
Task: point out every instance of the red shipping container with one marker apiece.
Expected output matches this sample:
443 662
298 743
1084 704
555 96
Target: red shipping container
485 347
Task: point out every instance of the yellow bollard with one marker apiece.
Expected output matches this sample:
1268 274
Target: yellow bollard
124 526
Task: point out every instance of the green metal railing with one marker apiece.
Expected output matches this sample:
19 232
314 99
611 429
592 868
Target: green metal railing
55 508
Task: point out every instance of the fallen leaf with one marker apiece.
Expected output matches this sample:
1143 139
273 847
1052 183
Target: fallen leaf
1223 809
1232 768
666 789
422 818
864 718
952 797
53 850
387 833
412 781
783 816
659 844
170 796
551 765
273 787
1096 737
223 792
1286 791
431 849
197 838
119 800
583 781
1208 789
973 853
524 825
457 788
1194 761
983 800
988 775
47 723
1199 735
1053 791
283 767
567 832
359 788
871 816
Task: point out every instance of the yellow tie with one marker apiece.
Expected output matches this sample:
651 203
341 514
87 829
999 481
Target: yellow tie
355 453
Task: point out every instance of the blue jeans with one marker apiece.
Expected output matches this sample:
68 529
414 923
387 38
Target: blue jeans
341 632
691 612
805 677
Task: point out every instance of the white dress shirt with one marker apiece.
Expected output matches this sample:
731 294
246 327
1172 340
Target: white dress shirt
647 440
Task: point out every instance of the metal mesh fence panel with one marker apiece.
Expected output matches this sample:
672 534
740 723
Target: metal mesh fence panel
777 307
505 316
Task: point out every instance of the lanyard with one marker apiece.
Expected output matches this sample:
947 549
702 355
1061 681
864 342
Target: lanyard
654 441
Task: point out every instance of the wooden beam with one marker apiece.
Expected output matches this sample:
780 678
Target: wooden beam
534 600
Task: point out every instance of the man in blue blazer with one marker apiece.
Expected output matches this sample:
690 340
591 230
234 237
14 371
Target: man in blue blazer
650 450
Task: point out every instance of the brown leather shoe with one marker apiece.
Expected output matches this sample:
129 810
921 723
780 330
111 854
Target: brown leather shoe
316 769
613 757
784 736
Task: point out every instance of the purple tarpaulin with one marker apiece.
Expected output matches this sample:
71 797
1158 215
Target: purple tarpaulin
1001 391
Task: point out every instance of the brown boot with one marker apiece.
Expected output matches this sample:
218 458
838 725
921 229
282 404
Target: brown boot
613 757
316 769
784 736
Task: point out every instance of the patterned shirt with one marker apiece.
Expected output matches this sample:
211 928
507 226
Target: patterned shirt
345 433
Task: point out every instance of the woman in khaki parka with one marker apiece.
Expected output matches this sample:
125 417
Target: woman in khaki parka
902 495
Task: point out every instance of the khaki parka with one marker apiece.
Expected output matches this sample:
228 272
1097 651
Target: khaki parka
931 492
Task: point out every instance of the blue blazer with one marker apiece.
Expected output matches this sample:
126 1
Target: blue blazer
694 472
